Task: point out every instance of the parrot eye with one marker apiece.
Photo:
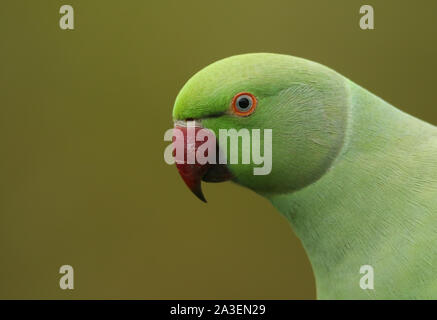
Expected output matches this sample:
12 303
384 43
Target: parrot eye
243 104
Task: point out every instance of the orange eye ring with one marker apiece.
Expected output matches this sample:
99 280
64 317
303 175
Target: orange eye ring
243 104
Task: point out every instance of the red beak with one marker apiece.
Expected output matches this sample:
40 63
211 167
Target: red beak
191 171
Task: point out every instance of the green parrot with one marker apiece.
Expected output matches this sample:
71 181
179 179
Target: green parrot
355 177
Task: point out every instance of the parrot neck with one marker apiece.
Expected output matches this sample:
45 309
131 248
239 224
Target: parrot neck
353 215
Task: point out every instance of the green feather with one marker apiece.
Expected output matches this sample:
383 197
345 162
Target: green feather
356 177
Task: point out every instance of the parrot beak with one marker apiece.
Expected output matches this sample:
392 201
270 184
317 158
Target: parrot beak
191 171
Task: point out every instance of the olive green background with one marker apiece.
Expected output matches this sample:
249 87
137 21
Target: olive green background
82 117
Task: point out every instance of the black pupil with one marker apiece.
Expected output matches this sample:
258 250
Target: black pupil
243 103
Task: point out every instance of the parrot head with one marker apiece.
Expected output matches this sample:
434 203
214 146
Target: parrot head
304 104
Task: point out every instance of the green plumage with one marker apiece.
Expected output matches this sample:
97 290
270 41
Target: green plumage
356 177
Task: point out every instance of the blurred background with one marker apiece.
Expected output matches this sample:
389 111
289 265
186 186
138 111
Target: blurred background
82 117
